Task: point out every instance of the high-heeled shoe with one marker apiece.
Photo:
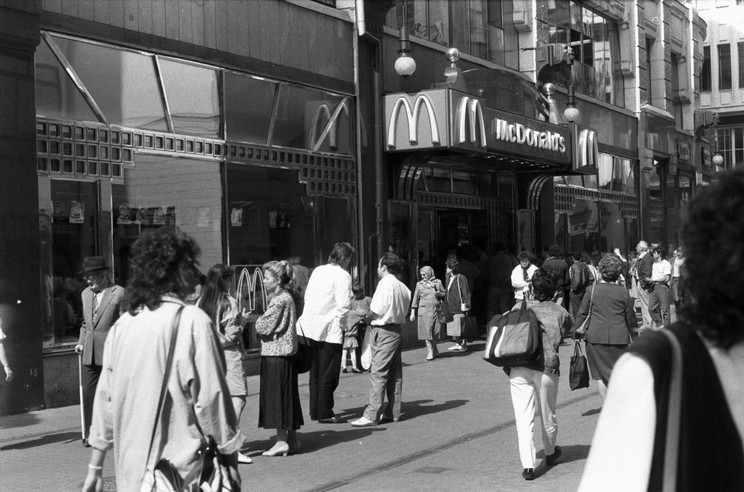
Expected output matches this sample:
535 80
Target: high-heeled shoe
278 449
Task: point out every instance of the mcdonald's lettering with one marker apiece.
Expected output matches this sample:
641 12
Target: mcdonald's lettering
469 111
412 115
522 135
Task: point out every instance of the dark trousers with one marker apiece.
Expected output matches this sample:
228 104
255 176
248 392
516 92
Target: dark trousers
324 374
91 373
575 298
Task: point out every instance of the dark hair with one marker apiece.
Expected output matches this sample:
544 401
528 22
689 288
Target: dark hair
526 255
392 262
213 298
358 291
555 250
342 252
452 263
713 238
154 267
543 285
576 255
610 267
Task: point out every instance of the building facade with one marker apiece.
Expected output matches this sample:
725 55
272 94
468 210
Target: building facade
272 129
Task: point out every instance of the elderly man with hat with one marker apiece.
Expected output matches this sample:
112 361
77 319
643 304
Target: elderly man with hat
102 303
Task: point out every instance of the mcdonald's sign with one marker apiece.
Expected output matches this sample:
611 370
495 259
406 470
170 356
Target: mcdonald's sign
586 155
416 121
470 127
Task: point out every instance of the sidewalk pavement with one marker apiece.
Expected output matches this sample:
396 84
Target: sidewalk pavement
457 432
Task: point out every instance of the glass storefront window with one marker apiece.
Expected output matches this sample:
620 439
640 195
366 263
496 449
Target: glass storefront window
583 227
248 105
160 191
70 225
463 182
127 91
56 95
193 98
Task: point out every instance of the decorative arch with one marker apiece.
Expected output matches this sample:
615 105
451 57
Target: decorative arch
534 190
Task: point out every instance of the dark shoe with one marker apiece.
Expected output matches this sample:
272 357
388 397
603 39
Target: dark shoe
332 420
345 371
528 474
85 443
387 420
552 458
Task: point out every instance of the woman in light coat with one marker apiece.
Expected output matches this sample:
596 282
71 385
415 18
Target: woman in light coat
426 305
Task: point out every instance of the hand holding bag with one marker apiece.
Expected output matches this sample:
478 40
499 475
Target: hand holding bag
578 375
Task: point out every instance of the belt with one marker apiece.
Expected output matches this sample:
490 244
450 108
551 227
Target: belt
386 325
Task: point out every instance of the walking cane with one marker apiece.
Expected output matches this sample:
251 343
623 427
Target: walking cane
82 411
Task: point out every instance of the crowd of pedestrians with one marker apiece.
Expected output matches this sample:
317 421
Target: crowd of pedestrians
154 341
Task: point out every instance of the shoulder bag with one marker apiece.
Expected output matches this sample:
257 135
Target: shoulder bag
303 358
578 372
468 324
164 476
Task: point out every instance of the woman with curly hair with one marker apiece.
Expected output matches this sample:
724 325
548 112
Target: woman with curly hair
629 447
162 273
279 398
222 309
612 319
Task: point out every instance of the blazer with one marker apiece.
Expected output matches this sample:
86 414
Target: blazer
613 315
97 323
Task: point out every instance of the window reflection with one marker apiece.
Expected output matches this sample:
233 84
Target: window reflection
127 91
193 98
248 105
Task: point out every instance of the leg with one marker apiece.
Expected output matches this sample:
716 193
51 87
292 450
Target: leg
394 385
643 300
384 346
314 380
354 365
654 309
548 400
602 387
328 374
665 300
429 349
238 402
523 395
344 355
91 373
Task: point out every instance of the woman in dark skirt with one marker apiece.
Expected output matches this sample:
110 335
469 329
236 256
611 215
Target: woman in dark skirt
611 321
279 399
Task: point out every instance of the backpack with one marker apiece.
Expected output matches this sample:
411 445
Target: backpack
514 339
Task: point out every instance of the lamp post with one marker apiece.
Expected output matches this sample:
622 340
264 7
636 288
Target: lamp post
571 113
717 157
405 65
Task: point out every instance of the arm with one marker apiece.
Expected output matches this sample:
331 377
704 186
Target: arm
268 323
630 316
624 437
342 296
415 301
83 330
464 290
583 311
4 362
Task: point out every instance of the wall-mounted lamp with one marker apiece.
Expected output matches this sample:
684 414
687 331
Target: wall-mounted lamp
717 157
571 113
405 65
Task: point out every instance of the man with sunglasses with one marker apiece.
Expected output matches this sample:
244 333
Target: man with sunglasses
102 305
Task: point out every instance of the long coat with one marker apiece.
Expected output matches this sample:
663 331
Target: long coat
98 322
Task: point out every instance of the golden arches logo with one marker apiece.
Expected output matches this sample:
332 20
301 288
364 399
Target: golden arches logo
250 286
470 117
588 151
331 129
412 115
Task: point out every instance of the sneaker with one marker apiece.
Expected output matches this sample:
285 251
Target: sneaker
244 459
552 458
528 474
456 346
363 422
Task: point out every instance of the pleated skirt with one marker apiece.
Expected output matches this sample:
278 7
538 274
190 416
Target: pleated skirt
279 398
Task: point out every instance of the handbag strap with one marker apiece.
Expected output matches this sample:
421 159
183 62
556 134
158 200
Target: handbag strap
591 302
674 415
166 375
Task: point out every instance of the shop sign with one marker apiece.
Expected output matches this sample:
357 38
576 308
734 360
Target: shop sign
445 118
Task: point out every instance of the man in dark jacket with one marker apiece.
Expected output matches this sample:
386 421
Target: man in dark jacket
580 277
644 270
557 267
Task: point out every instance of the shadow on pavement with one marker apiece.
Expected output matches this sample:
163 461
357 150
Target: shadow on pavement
575 452
41 441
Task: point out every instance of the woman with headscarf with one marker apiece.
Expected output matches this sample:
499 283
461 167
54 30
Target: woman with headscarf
426 306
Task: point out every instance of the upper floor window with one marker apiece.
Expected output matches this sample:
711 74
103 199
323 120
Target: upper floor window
705 75
740 53
595 42
481 28
724 67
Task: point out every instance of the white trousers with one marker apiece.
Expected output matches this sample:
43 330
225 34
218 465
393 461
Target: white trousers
526 386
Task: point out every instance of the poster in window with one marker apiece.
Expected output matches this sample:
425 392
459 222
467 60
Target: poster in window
236 217
125 214
272 218
142 217
77 212
60 211
158 215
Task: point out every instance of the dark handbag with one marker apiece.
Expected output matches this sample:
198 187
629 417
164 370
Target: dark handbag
468 326
215 475
303 358
444 315
578 374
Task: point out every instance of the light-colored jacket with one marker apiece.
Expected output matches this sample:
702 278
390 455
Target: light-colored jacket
327 302
276 326
127 397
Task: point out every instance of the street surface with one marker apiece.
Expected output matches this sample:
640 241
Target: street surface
456 433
